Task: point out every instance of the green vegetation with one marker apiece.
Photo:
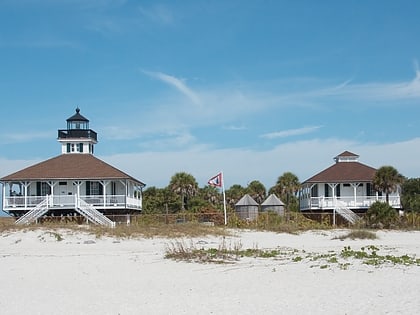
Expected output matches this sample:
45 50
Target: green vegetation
359 234
286 188
368 255
386 180
411 195
223 254
380 215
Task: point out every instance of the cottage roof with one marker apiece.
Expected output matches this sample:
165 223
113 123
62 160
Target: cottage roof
344 172
272 200
246 200
70 166
347 153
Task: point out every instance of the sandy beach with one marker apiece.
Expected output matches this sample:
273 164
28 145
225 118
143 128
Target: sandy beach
66 272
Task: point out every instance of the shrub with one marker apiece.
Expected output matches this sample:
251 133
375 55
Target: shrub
381 214
359 234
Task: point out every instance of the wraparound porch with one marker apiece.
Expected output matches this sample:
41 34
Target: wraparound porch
16 204
351 202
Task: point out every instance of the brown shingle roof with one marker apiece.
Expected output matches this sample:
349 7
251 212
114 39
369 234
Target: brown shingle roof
344 172
69 166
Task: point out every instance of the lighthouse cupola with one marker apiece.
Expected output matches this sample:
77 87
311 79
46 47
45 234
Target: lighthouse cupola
77 138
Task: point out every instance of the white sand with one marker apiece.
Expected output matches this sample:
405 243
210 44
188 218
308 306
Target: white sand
85 275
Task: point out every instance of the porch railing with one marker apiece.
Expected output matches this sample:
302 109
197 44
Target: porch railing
358 202
66 201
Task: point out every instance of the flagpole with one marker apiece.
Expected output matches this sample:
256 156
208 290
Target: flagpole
218 181
224 198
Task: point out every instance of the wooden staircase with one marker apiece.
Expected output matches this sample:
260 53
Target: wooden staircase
35 213
93 215
82 207
344 211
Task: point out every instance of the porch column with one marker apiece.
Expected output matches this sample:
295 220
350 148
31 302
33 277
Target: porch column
104 184
77 196
4 195
52 185
334 200
355 185
25 189
308 195
333 193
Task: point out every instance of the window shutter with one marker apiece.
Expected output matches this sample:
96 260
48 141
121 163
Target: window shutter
87 188
38 188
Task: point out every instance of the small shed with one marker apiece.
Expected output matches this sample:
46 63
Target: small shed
273 203
247 208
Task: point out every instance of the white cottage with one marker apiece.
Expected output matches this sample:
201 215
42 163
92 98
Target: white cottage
73 183
345 187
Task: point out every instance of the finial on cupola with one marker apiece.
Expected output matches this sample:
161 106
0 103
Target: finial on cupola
77 109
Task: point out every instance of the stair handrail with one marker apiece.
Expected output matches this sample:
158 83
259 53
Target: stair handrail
34 213
343 210
92 214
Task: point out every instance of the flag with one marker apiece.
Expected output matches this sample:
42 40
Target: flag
216 181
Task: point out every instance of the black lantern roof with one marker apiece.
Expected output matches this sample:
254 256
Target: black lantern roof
77 117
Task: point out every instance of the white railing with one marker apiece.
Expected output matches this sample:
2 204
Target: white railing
346 213
134 203
91 214
348 201
35 213
66 201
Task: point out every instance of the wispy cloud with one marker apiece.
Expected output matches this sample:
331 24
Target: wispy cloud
290 132
41 43
380 91
235 127
292 156
158 13
83 4
24 137
176 83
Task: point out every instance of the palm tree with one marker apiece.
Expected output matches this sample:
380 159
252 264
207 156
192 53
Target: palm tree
185 185
411 195
156 200
286 187
211 195
387 179
233 194
257 191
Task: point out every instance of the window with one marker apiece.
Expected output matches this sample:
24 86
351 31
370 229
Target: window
93 188
327 190
80 147
43 189
338 190
369 190
68 148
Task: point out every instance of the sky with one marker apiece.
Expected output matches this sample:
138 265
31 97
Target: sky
250 88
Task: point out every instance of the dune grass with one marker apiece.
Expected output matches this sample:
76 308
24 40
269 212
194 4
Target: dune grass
359 234
136 229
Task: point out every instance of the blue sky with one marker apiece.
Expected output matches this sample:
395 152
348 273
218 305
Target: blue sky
252 88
